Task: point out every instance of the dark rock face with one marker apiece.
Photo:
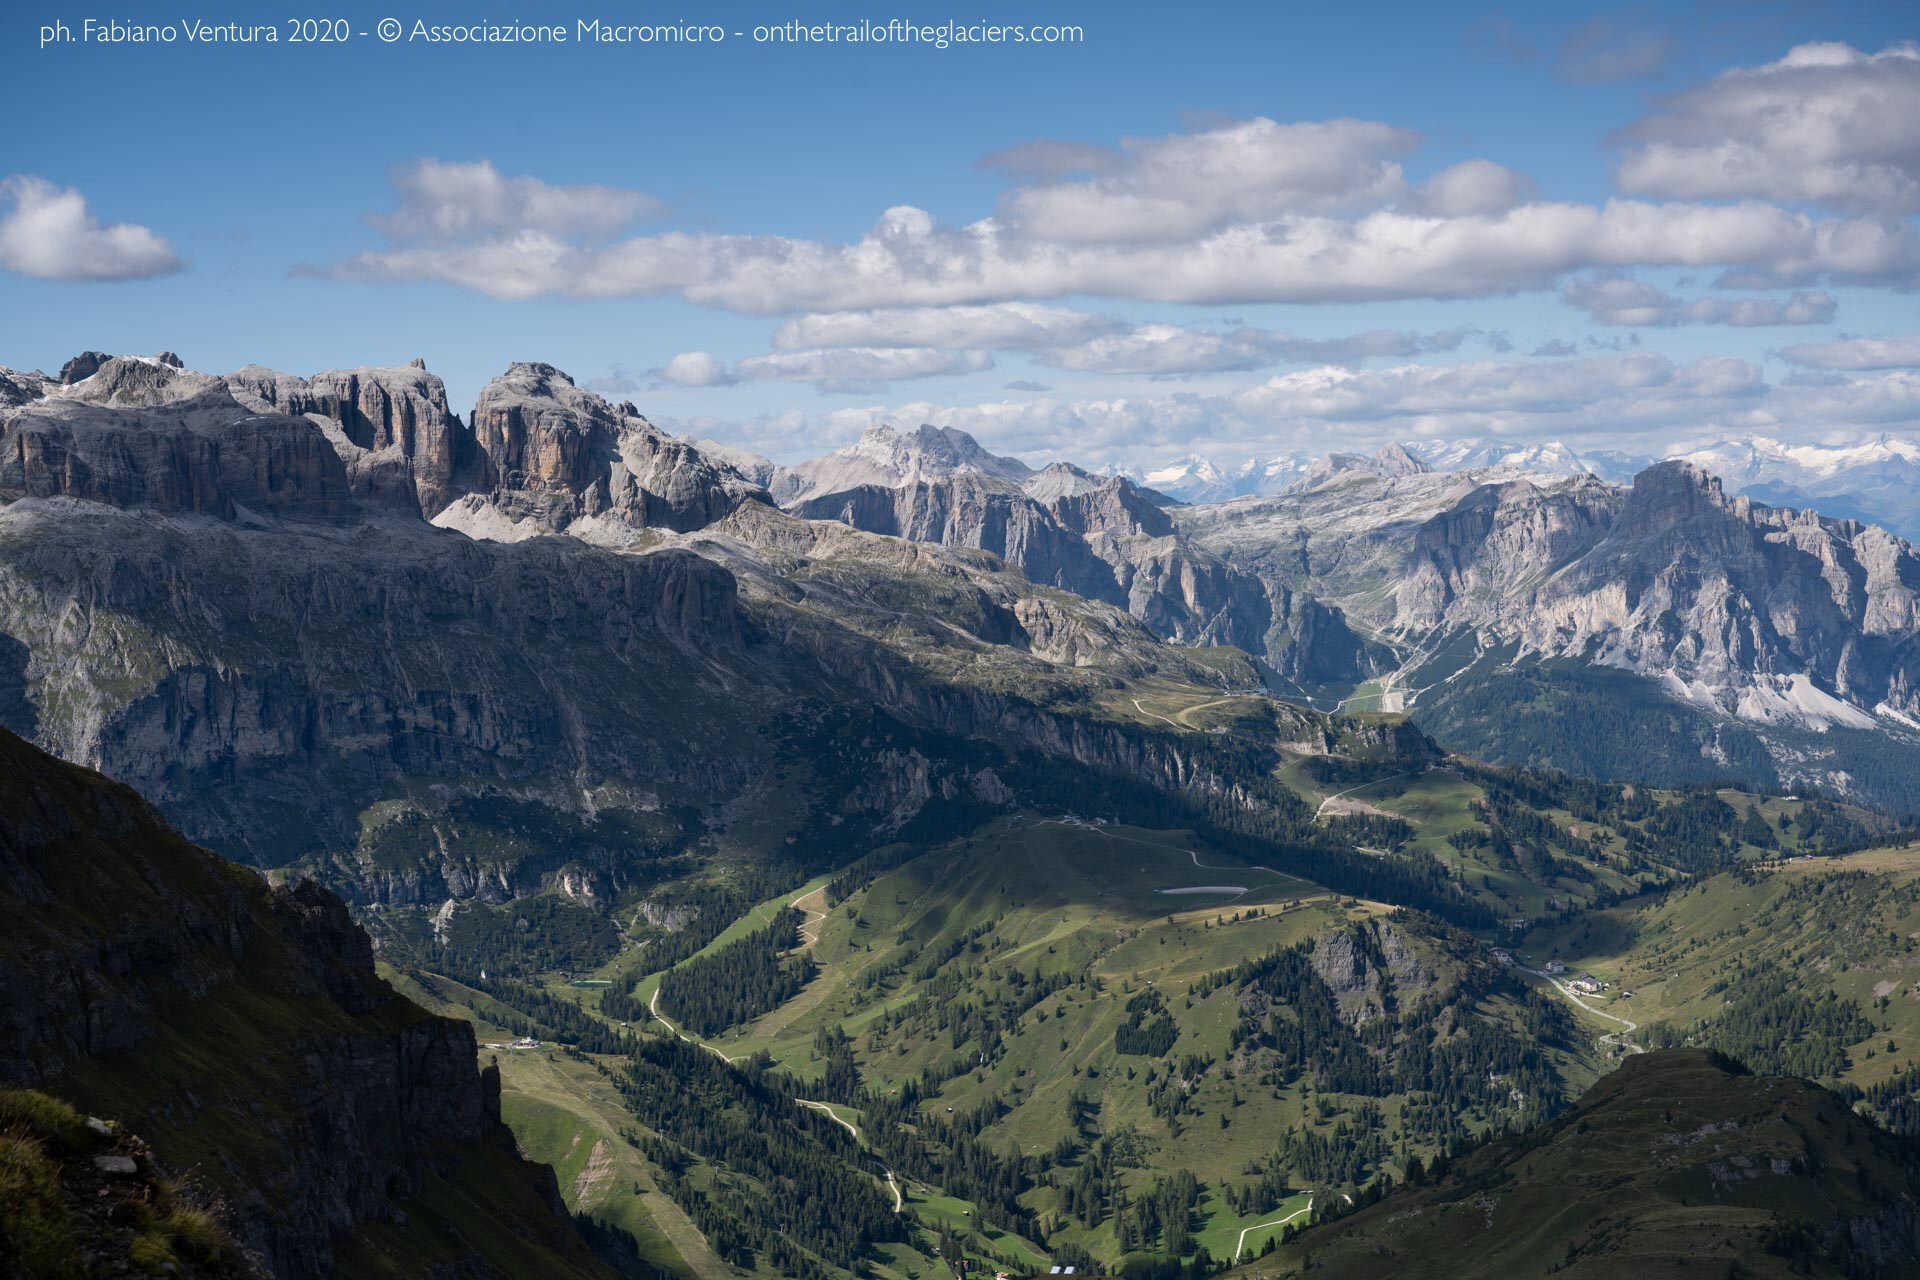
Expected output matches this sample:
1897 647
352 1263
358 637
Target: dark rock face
287 661
560 454
392 428
82 367
137 433
1313 645
324 1098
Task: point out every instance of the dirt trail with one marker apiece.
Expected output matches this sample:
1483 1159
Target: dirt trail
1321 811
810 928
899 1201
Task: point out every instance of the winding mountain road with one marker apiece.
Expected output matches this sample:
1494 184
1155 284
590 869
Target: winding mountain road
807 940
1240 1247
1627 1027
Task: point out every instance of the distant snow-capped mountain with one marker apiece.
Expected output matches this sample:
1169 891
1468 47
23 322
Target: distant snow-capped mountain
1875 481
1199 479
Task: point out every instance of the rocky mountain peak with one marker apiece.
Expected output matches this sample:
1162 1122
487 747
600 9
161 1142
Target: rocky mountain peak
392 427
18 388
935 451
1395 460
84 365
139 381
559 453
1670 492
1062 480
887 459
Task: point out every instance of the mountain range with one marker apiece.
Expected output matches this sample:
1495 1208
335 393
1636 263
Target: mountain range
914 855
1874 480
241 579
1768 638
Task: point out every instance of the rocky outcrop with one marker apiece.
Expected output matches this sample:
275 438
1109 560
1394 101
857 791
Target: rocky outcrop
962 511
1772 615
240 1028
392 428
1104 539
17 388
1498 536
1311 645
888 459
138 432
561 454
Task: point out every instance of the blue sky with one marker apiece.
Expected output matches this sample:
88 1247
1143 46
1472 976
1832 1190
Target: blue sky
611 209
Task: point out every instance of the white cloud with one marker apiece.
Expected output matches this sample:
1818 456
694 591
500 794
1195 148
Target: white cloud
1004 326
48 232
1171 349
835 369
448 200
1611 401
1620 300
1857 354
909 260
696 369
1827 124
1254 211
862 364
1174 188
1473 187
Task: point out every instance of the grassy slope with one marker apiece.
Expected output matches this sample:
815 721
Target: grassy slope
1069 898
1847 925
1669 1167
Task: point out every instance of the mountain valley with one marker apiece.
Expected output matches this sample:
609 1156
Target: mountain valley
913 860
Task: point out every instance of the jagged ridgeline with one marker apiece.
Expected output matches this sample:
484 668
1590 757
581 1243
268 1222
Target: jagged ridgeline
900 856
274 1107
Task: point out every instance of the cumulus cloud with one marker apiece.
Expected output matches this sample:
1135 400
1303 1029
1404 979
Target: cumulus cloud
836 369
48 231
1621 300
1473 187
862 364
448 200
1606 401
1006 326
1828 124
1171 349
1855 354
910 260
1158 190
696 369
1251 211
